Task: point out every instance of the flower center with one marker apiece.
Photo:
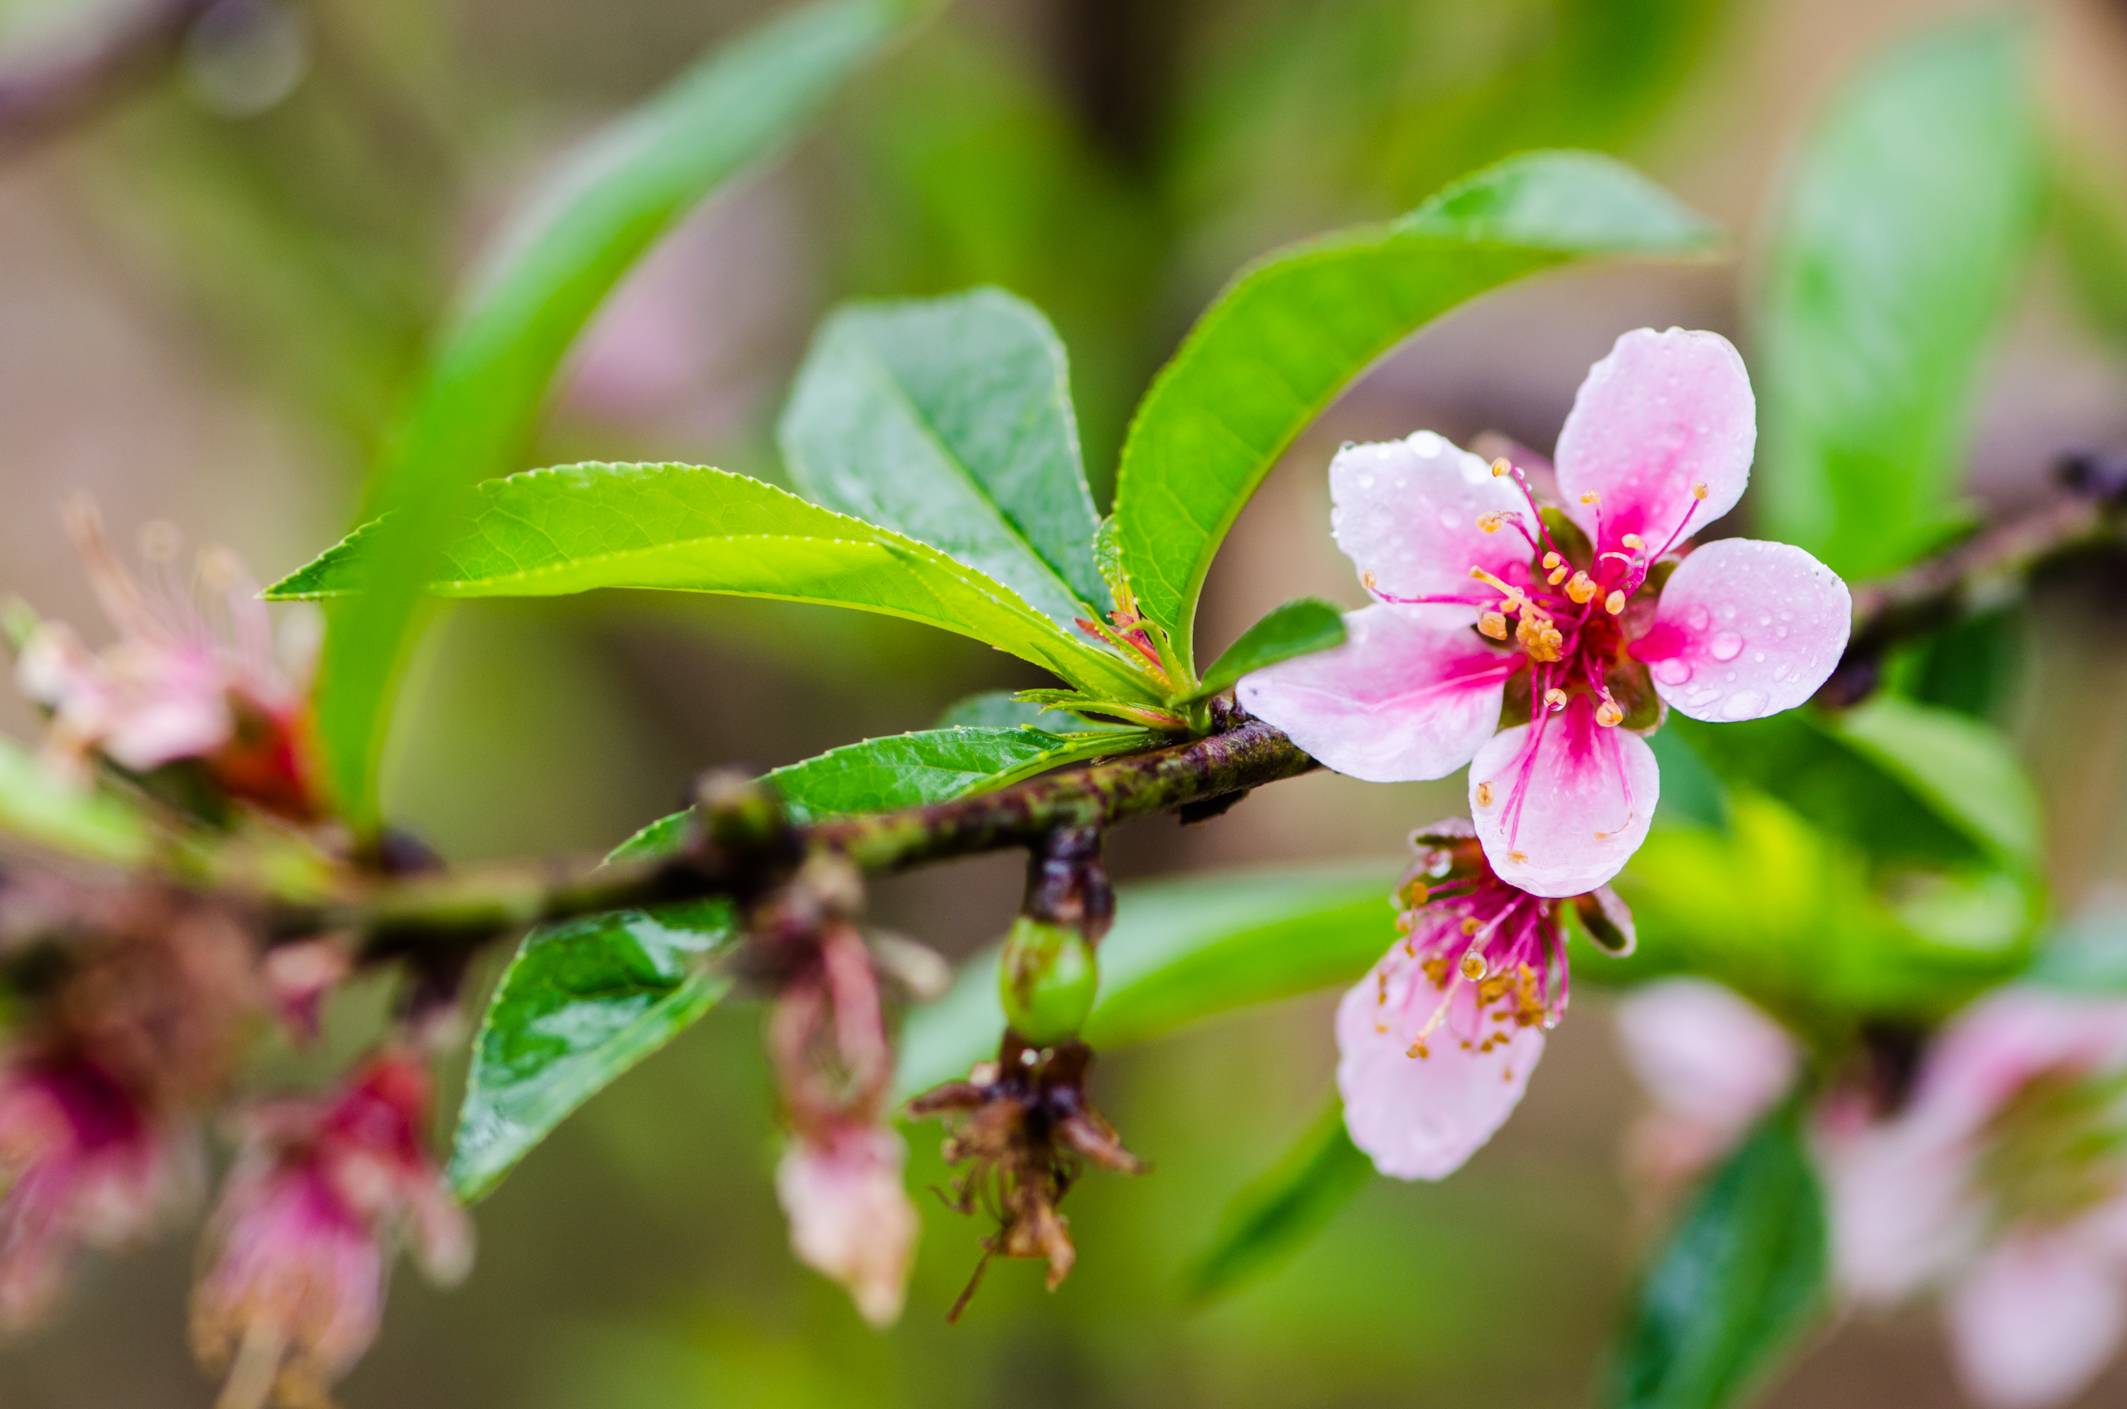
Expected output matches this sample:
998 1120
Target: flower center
1497 969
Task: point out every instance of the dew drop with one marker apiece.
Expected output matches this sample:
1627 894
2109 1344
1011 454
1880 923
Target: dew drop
1725 645
1366 481
1673 671
1698 619
1744 704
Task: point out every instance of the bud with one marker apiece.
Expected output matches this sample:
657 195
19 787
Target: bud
1047 979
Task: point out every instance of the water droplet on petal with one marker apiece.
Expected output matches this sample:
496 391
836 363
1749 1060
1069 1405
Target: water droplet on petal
1744 704
1697 619
1673 671
1725 645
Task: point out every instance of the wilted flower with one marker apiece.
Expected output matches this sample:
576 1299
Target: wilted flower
1024 1126
83 1161
196 677
1584 616
302 1243
850 1216
1435 1045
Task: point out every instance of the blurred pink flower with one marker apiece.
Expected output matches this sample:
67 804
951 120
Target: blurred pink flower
82 1162
850 1217
1658 445
2001 1182
1436 1044
1713 1065
196 675
301 1246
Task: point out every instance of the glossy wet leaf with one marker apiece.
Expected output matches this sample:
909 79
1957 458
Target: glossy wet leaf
688 528
1741 1277
1297 628
1000 709
1274 1216
578 1007
950 420
1183 951
907 770
1293 331
1898 248
1965 770
489 375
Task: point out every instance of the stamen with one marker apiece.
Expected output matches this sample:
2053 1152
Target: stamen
1500 468
1492 521
1608 715
1484 790
1552 560
1614 603
1473 965
1581 589
1555 698
1591 497
1493 624
1557 575
1698 491
1633 541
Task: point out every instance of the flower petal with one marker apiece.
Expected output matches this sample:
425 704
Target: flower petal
850 1217
2035 1321
1421 1117
1744 629
1561 804
1995 1046
1407 512
1661 415
1705 1055
1409 695
1899 1214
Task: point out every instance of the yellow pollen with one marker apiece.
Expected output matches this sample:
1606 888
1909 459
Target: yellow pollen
1555 697
1581 588
1537 636
1368 580
1608 714
1591 497
1557 575
1698 491
1519 858
1501 467
1552 560
1633 541
1615 602
1469 926
1493 624
1473 967
1491 522
1484 794
1417 1049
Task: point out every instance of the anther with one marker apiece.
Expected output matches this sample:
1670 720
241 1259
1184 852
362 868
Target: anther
1368 580
1484 791
1698 491
1581 588
1552 560
1493 624
1633 541
1608 714
1490 522
1500 467
1557 575
1591 497
1469 925
1555 698
1615 602
1473 965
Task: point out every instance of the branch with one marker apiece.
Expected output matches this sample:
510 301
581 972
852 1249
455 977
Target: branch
741 854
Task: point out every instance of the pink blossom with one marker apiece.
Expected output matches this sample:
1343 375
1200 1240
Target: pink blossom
1713 1064
196 676
1436 1044
82 1162
301 1245
850 1217
1482 609
2002 1183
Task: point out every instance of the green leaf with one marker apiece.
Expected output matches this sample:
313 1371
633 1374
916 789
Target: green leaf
907 770
688 528
1964 770
552 267
1274 1216
61 814
1003 709
580 1005
1183 951
950 421
1296 629
1743 1275
1291 333
1903 238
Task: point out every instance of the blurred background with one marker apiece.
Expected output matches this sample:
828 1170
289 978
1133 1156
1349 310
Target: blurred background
218 267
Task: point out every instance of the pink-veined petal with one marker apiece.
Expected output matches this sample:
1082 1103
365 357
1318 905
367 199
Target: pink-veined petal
1408 512
1409 695
1561 804
1422 1117
1660 416
1705 1055
2034 1321
1745 628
